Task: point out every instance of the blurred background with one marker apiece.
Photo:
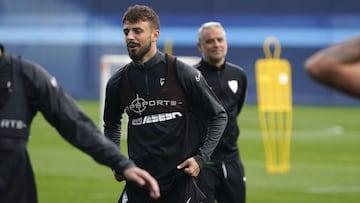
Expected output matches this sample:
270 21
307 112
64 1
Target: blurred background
69 37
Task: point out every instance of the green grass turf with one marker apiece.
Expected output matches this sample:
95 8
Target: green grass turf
325 160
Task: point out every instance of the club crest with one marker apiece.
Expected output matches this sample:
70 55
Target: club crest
162 81
233 84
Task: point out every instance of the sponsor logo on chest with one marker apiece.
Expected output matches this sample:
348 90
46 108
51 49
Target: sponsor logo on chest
139 105
13 124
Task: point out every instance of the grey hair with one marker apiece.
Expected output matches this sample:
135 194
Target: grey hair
207 25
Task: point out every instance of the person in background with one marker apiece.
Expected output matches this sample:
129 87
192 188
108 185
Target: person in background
160 94
25 89
223 177
337 66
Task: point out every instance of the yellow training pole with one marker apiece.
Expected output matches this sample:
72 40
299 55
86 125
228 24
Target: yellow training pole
168 46
273 82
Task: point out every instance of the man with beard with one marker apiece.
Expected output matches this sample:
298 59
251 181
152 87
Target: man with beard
223 177
25 89
162 97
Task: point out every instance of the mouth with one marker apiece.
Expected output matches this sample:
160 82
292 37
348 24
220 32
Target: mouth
132 46
217 51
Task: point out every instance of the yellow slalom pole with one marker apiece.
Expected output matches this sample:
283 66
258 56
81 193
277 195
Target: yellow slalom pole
168 46
273 82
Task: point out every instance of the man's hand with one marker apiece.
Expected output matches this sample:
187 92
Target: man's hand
142 178
118 177
192 168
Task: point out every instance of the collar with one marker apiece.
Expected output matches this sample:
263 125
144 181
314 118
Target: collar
157 58
212 67
5 60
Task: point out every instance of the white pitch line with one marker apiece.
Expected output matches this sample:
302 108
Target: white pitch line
325 132
322 132
328 131
337 189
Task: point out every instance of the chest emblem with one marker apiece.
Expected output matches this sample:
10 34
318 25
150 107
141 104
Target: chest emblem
162 81
233 84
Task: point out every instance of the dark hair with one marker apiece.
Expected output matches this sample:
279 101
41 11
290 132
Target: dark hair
138 13
2 49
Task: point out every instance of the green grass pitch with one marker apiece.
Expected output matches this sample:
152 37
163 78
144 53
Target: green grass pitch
325 160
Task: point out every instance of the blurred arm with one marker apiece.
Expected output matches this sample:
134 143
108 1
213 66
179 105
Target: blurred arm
337 66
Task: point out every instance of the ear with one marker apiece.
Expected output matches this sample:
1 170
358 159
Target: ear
199 46
155 35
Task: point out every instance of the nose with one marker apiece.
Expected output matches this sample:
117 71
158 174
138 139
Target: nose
130 35
216 43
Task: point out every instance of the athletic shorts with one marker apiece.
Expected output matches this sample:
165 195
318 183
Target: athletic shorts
17 182
184 190
223 182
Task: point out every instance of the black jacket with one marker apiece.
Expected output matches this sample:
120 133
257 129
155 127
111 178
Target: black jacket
230 85
43 94
171 135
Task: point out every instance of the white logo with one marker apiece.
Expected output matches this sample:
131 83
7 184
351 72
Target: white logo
8 85
138 105
53 81
188 201
11 123
197 78
233 84
156 118
162 81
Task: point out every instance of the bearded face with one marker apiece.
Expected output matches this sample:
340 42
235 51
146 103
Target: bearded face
137 51
140 40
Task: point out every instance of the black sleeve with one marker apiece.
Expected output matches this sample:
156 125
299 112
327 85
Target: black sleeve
5 79
61 111
243 95
204 101
113 111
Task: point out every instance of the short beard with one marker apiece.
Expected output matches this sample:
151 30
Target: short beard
140 54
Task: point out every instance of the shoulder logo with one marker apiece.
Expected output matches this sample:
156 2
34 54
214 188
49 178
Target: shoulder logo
53 81
198 76
233 84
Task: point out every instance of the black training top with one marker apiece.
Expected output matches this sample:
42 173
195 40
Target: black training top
162 100
230 85
41 93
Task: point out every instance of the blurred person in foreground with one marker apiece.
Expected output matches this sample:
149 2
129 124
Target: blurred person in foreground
26 88
160 94
223 177
337 66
